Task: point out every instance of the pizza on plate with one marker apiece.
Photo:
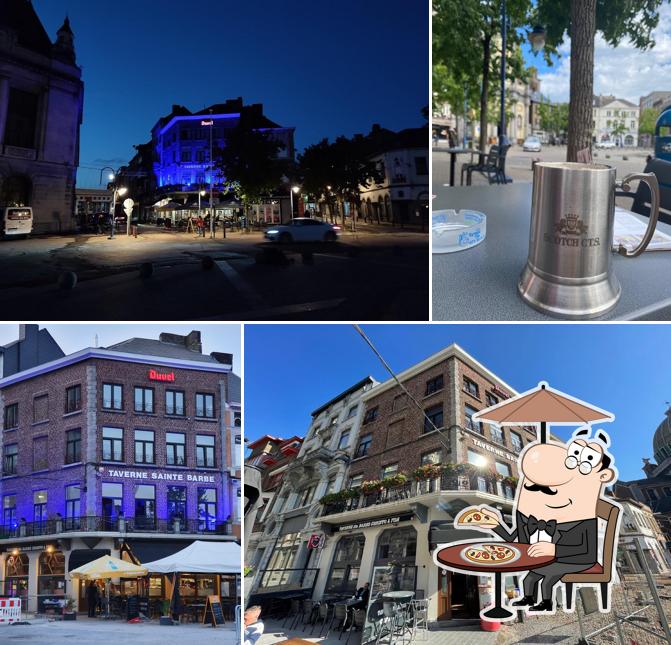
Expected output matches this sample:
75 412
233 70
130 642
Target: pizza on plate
477 517
489 553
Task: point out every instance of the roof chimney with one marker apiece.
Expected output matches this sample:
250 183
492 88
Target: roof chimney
193 342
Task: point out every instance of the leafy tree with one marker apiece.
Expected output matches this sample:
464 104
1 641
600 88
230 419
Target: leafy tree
619 129
554 117
580 20
466 40
647 121
249 164
337 170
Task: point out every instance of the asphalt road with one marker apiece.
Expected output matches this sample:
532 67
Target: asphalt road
374 274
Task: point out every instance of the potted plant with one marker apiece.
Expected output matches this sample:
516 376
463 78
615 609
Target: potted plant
395 480
371 486
69 612
427 471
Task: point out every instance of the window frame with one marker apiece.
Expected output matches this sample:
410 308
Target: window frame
78 399
172 444
429 415
10 469
468 390
112 399
144 443
204 408
14 408
143 409
432 386
174 394
206 450
76 445
362 441
113 441
371 415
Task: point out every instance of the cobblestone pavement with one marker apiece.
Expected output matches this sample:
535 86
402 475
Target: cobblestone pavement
518 162
275 633
41 631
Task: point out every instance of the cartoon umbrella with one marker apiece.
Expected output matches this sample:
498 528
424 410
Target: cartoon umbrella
542 405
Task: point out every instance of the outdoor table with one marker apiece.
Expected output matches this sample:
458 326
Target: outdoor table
453 157
480 283
451 556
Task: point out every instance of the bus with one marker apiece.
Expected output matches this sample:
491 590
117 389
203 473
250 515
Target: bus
15 221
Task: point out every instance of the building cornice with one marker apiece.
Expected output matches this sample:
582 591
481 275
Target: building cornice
452 351
105 354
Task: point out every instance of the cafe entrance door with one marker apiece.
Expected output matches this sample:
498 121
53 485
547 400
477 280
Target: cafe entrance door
457 595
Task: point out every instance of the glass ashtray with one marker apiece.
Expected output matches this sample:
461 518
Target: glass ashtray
457 230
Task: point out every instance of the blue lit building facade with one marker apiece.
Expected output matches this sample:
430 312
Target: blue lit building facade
181 143
127 450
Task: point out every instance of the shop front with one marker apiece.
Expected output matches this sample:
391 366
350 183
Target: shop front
16 576
50 578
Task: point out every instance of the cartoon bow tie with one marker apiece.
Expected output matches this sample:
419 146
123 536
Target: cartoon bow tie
534 525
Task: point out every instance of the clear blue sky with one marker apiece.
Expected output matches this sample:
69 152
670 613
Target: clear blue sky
326 68
72 338
291 370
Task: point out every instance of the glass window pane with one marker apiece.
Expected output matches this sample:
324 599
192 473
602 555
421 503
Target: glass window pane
143 491
174 437
112 490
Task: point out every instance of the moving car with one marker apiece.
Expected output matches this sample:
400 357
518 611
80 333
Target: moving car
605 144
531 144
16 220
303 229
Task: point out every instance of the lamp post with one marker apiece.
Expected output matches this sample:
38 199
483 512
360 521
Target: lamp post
504 34
120 191
294 191
201 193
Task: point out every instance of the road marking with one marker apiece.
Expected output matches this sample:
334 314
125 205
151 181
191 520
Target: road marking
284 310
245 288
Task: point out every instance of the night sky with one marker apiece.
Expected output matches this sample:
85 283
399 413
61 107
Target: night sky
325 68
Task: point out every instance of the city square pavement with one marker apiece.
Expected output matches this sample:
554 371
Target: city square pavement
461 635
84 630
374 273
518 163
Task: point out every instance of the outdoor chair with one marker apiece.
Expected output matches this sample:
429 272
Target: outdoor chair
358 621
323 614
307 606
294 610
339 614
420 619
641 205
598 574
493 167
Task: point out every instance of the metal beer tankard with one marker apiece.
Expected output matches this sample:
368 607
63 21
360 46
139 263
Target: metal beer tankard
569 270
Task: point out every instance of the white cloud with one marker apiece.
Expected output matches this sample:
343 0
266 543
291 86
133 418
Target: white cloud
623 71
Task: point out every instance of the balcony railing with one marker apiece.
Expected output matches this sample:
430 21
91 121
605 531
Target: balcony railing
89 524
446 482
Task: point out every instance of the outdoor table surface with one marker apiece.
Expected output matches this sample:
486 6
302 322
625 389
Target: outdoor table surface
451 556
395 595
480 283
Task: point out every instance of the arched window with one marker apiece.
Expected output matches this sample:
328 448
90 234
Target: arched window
397 548
346 563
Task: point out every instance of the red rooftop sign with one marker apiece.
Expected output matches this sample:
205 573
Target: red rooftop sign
168 377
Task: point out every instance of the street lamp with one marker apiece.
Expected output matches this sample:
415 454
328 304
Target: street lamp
294 191
537 38
201 193
117 191
504 34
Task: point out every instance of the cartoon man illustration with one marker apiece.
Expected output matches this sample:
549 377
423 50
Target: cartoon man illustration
555 510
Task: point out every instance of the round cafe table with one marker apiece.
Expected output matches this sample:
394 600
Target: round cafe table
452 557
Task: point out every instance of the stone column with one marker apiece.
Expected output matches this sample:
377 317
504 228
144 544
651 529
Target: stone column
454 413
4 103
33 569
91 441
426 569
368 555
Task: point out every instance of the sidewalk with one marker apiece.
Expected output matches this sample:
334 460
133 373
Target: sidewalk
275 633
40 631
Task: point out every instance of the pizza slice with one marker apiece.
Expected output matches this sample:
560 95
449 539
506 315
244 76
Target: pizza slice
477 517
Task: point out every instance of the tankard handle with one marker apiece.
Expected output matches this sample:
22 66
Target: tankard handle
650 179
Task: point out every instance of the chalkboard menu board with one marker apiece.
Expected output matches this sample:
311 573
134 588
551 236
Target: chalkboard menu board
214 613
143 605
132 607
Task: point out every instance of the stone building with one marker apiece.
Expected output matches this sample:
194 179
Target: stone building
658 101
402 198
638 525
125 450
615 120
284 555
41 108
654 490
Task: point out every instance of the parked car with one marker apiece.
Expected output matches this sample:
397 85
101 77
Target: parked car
303 229
605 144
531 144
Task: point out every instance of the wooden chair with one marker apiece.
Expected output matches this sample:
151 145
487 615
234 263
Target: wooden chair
598 574
641 197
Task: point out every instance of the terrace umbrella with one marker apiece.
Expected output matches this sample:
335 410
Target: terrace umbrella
107 567
542 405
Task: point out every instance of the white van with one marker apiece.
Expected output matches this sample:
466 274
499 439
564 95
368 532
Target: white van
16 220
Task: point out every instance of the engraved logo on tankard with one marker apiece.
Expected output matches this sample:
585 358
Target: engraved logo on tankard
570 225
567 231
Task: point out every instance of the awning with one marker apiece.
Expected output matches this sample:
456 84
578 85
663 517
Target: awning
146 551
443 531
80 557
201 557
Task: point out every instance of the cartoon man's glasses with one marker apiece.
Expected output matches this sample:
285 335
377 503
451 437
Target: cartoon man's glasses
582 457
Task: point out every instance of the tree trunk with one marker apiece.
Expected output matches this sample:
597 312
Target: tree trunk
484 95
583 28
